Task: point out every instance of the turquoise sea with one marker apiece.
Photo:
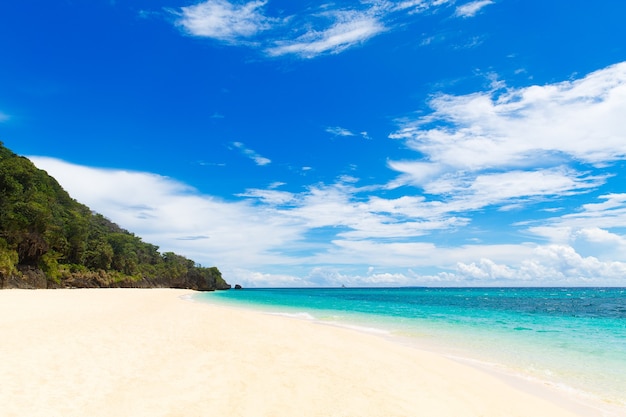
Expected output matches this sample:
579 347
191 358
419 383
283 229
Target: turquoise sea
572 338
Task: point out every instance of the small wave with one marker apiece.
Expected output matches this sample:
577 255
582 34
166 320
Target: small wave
334 323
301 316
362 329
187 297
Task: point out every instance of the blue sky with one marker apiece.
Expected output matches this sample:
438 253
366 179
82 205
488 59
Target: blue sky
417 142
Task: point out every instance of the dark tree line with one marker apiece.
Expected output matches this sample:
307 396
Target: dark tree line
48 239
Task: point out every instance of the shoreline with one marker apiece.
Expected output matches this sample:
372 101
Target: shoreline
519 361
153 352
580 402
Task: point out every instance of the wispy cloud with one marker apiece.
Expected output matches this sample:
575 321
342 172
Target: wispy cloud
223 20
175 216
413 6
472 8
313 32
475 154
348 28
359 232
537 129
258 159
610 213
339 131
4 117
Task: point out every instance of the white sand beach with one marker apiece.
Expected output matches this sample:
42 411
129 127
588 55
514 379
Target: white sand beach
131 352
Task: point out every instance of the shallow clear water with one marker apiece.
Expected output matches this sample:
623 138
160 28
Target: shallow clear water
574 338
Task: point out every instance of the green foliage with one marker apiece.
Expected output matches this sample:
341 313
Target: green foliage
50 265
42 227
8 259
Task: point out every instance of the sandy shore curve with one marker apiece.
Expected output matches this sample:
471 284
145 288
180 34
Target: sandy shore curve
136 352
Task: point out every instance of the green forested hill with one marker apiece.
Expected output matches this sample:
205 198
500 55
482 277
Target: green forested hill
49 240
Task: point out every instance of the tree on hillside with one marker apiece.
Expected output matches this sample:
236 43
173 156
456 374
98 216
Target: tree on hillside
43 228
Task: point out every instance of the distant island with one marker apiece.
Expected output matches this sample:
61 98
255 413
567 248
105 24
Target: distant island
49 240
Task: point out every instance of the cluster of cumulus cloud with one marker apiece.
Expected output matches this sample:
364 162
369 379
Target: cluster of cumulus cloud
493 151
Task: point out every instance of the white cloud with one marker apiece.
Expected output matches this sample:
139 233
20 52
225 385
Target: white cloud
258 159
550 265
339 131
251 278
485 269
410 4
245 238
338 207
592 230
414 6
349 28
614 203
513 186
344 233
270 197
610 214
225 21
508 148
307 34
167 213
472 8
537 129
462 191
545 265
552 233
4 117
602 237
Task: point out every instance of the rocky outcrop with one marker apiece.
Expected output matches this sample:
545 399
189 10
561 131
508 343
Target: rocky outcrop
28 277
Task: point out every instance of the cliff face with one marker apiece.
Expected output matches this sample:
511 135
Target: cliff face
49 240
